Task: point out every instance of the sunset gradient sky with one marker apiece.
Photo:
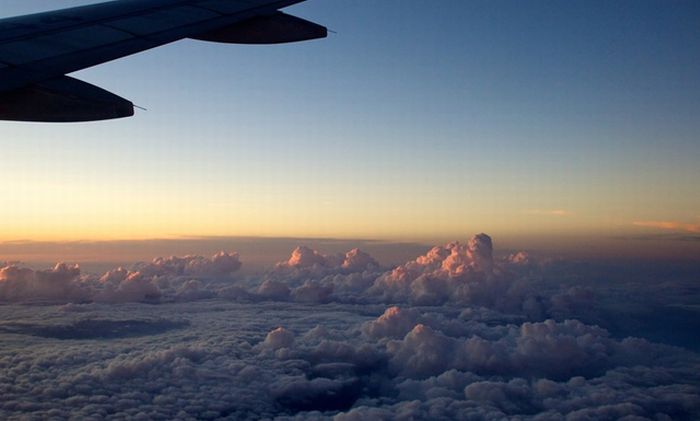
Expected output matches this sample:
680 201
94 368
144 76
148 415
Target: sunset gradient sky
447 210
417 121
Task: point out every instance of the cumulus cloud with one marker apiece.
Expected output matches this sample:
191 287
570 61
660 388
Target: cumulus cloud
313 277
279 338
174 276
313 292
308 263
274 290
124 286
394 323
304 257
221 264
464 274
58 284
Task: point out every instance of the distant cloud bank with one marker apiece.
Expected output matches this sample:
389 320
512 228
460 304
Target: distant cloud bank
453 274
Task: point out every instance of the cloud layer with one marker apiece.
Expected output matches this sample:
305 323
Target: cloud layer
334 361
457 333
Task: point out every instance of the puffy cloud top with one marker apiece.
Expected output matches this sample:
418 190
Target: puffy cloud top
58 284
146 282
279 338
304 257
354 260
221 264
394 323
481 252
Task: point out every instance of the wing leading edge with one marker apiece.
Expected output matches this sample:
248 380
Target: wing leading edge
37 51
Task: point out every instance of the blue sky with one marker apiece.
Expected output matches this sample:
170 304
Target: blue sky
416 120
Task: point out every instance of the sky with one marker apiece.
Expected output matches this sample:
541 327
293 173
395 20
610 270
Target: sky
303 193
414 121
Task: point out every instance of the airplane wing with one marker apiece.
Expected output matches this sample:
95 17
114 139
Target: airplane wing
37 51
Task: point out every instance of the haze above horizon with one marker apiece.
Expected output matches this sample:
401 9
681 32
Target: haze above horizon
538 125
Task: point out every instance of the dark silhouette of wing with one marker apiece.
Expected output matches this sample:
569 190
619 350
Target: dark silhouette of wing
37 51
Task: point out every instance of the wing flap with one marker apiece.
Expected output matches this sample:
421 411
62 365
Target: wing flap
63 100
276 28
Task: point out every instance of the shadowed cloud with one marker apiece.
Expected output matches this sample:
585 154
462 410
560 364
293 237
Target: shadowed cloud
94 329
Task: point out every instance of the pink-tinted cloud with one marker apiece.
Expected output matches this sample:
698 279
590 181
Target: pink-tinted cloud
62 283
146 282
669 226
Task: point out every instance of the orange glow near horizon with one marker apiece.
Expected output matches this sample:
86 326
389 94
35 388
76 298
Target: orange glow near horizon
70 214
670 226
